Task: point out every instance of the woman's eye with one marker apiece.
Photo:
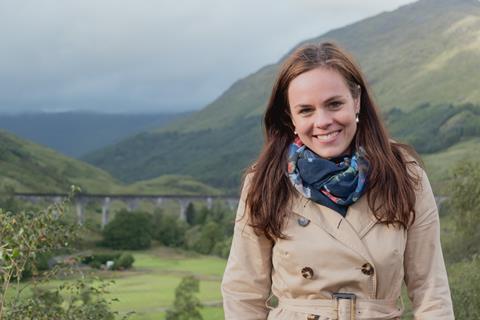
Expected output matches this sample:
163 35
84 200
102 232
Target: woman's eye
304 110
335 104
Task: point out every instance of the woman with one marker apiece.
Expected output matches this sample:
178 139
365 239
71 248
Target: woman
334 216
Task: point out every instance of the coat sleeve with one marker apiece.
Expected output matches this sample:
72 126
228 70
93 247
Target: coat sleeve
425 273
247 279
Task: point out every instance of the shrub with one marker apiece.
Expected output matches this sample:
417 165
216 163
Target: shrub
462 246
203 238
186 304
78 300
121 261
463 205
99 259
192 236
222 248
125 261
25 238
465 286
38 263
128 230
169 229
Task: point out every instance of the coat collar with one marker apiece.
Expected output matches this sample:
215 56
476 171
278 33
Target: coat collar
350 230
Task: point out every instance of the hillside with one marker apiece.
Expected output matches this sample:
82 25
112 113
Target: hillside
204 155
423 53
28 167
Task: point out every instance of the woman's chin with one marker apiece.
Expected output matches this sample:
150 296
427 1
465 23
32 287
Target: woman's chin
328 152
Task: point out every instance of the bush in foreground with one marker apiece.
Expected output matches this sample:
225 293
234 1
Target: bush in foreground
25 236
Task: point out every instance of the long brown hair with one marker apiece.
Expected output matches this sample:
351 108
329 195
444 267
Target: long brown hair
391 184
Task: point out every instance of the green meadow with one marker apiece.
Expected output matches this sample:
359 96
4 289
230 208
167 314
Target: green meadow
149 288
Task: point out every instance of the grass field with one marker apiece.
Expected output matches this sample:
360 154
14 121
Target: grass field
149 288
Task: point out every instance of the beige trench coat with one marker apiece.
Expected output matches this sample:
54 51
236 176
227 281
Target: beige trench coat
326 253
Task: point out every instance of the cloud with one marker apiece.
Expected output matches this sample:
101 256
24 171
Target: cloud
149 55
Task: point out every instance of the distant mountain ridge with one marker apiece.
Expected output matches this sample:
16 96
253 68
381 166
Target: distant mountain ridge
76 133
427 52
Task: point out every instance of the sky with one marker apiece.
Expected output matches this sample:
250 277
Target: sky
130 56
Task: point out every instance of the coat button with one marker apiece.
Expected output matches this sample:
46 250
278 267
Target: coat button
367 269
307 273
303 221
313 317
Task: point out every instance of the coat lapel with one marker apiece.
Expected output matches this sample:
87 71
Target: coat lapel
348 231
361 217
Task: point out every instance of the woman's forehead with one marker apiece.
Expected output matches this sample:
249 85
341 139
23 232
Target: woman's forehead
320 83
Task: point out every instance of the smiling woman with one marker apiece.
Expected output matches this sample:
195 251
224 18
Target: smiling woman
334 216
324 111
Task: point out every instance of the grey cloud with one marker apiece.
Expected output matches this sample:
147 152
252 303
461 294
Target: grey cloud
121 55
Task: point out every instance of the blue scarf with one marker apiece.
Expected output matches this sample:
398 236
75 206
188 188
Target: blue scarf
334 185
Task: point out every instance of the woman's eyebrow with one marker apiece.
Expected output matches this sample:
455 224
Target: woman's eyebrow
332 99
302 105
327 101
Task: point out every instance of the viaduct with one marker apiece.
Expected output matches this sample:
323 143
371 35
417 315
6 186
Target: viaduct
131 200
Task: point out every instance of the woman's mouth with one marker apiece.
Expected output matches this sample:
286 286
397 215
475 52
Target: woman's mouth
328 136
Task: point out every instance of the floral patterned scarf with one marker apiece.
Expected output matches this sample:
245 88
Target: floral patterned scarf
334 184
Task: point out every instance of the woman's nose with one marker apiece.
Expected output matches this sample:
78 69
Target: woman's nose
322 119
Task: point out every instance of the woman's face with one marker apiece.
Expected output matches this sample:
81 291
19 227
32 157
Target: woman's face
323 111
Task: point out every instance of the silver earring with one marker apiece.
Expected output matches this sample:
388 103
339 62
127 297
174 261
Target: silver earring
356 117
295 132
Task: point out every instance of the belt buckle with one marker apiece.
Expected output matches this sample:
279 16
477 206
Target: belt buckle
347 296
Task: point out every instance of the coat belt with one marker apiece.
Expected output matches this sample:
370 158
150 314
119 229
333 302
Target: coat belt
343 309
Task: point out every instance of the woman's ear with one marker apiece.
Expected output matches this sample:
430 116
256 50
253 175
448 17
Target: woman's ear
292 121
357 100
357 105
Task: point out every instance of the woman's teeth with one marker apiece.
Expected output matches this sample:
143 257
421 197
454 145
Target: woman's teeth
328 135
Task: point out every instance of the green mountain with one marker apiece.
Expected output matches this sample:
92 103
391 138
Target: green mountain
216 156
432 128
29 167
422 54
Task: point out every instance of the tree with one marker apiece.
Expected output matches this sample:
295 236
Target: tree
222 248
201 215
128 230
186 304
190 214
169 229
